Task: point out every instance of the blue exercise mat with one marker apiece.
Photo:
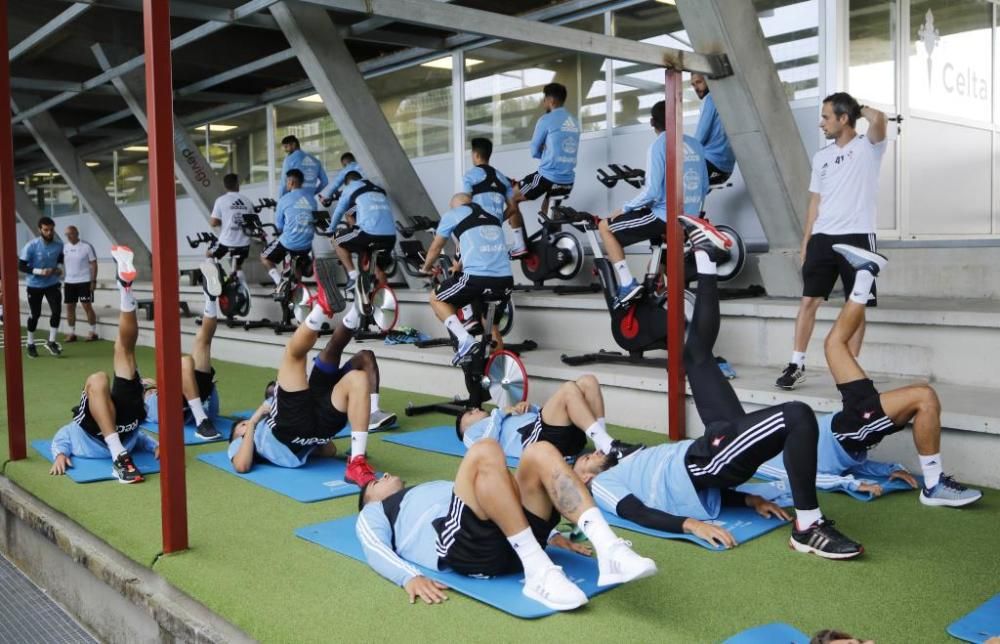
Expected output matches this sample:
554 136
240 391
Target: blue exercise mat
441 440
743 523
223 424
888 486
319 479
979 625
343 433
776 633
88 470
503 592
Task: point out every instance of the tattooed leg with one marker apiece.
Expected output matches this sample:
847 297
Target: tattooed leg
546 481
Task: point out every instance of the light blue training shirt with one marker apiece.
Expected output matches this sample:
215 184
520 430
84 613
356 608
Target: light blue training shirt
555 142
480 238
294 218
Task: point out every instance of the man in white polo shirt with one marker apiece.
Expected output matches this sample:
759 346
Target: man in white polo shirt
843 194
81 282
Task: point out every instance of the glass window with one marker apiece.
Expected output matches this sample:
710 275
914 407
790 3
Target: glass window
950 64
791 29
133 174
237 145
52 194
417 103
307 119
872 58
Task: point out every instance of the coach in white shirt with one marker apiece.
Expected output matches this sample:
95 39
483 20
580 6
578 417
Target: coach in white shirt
80 282
227 217
843 195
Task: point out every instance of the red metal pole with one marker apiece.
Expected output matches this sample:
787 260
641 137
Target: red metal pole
675 255
13 375
159 110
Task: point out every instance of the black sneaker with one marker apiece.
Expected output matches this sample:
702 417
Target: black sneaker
824 540
32 351
125 470
790 377
206 431
54 348
620 449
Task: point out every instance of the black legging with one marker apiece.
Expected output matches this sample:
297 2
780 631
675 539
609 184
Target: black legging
735 443
53 295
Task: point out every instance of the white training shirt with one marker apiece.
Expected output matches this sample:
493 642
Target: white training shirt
230 208
846 180
76 260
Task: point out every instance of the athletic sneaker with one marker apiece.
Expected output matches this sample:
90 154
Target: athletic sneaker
623 565
791 376
210 280
123 256
620 449
380 420
949 492
70 338
359 472
32 351
465 351
704 236
628 293
351 281
280 290
206 430
551 588
519 252
861 259
54 348
92 338
328 295
125 470
824 540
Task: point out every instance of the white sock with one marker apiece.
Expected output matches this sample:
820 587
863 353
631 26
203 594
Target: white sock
275 276
598 434
359 443
805 518
127 303
517 237
53 333
317 318
532 557
704 263
72 328
374 403
114 443
453 325
799 358
211 308
93 329
624 274
31 336
603 422
595 526
351 319
197 410
352 274
241 276
863 281
931 465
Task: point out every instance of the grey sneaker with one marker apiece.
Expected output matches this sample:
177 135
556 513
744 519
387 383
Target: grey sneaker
380 420
950 493
54 348
791 376
862 259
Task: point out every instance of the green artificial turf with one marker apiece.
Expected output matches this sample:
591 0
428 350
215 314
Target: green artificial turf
923 567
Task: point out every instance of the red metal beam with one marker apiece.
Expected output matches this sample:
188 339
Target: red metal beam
13 375
159 109
675 255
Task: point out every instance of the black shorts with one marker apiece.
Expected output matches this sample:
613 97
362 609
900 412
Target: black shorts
355 240
471 546
862 423
73 293
568 439
637 226
130 407
535 185
308 418
275 253
238 253
461 289
823 266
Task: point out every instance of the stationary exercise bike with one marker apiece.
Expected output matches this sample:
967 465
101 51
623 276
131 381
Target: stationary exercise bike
234 300
377 303
553 254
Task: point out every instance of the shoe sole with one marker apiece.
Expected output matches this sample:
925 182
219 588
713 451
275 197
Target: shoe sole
791 386
323 268
123 256
857 257
809 550
210 279
610 578
386 422
947 503
718 240
207 438
124 482
631 295
53 352
532 595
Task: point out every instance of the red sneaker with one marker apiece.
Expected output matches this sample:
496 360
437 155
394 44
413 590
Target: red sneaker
359 472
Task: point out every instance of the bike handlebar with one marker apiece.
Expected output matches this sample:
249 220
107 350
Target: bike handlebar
264 203
635 177
201 238
419 223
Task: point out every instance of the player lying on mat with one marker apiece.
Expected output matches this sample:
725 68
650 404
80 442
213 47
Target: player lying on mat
106 422
201 398
869 416
490 522
679 487
307 411
567 419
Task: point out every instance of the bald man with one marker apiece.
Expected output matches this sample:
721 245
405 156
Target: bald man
81 282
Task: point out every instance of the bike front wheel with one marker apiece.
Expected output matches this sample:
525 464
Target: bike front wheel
385 308
508 379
